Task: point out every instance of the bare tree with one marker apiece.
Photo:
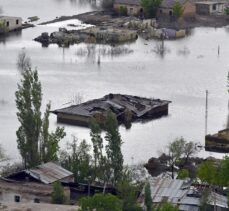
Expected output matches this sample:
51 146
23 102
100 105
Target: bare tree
23 61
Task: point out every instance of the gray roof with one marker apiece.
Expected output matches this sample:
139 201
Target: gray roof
117 103
209 2
49 173
182 193
9 17
129 2
170 3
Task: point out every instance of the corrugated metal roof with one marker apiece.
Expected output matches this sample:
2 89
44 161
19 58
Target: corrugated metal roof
182 193
49 173
129 2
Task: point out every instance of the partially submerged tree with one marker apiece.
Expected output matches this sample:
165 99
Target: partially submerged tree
150 7
23 61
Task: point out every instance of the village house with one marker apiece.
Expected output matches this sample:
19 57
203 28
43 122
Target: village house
34 185
184 194
166 8
8 23
209 7
126 108
133 7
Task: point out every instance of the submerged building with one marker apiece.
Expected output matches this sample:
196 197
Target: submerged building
127 108
9 23
218 142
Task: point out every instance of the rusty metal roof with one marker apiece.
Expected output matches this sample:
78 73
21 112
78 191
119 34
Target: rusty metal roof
49 172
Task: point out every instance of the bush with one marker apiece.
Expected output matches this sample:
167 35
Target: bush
101 202
123 10
226 10
58 196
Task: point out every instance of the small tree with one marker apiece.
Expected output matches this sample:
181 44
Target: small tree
58 196
207 172
182 174
77 159
101 202
148 199
178 9
128 192
151 6
226 10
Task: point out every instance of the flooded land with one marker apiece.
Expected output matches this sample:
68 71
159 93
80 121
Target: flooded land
181 73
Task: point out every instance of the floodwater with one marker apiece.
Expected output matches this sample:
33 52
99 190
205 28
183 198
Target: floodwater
188 68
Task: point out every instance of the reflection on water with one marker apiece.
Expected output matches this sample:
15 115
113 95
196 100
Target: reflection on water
11 35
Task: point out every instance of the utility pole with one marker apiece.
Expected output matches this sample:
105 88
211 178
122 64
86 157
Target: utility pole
206 113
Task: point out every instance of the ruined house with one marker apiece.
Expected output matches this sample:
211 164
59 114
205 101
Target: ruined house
166 8
127 108
218 142
133 7
184 194
34 185
209 7
8 23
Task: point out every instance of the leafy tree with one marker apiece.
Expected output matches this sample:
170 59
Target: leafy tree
182 174
224 171
148 199
58 196
101 202
151 6
77 159
28 102
178 9
128 192
180 150
35 143
2 154
113 148
49 143
207 172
